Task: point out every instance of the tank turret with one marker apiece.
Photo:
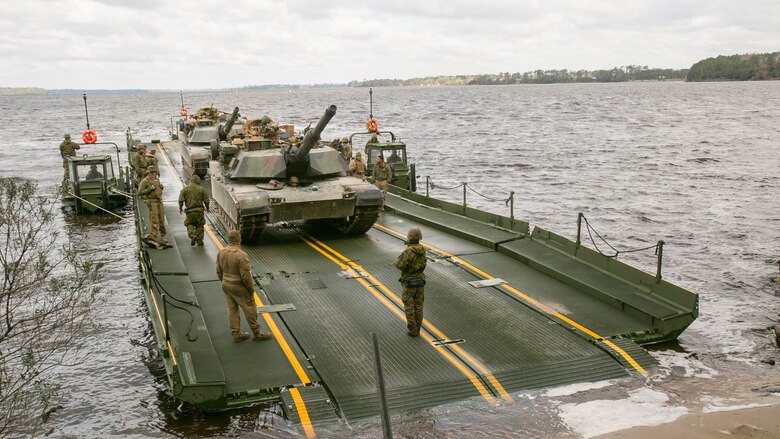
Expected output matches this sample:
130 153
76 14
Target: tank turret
252 182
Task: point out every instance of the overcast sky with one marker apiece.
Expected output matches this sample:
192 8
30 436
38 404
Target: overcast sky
162 44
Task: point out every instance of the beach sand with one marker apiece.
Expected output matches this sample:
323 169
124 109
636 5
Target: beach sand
752 423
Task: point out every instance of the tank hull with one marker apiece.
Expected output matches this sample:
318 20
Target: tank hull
245 205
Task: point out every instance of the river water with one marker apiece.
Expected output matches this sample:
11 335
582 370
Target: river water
694 164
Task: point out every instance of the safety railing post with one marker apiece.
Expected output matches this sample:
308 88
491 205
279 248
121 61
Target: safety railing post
579 228
660 252
512 206
427 185
464 197
165 315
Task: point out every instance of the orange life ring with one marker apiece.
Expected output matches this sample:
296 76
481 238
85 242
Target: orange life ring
372 126
183 111
89 136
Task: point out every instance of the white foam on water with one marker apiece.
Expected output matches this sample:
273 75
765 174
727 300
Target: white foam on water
644 407
692 367
571 389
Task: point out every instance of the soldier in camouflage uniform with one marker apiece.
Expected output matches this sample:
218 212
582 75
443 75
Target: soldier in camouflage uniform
150 189
67 149
382 174
195 199
412 263
357 167
346 149
236 276
151 158
139 164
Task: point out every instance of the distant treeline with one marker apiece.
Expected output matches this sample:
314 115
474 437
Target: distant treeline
617 74
749 67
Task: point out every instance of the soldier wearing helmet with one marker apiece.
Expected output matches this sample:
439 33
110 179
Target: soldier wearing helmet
412 262
346 149
357 167
67 149
150 190
195 199
236 276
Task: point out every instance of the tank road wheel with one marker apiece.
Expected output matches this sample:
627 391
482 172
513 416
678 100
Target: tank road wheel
360 223
251 228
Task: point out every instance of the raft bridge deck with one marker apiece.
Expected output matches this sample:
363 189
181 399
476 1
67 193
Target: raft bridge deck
545 313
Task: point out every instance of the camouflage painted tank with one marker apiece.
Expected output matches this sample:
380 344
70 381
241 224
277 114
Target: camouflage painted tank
200 134
268 175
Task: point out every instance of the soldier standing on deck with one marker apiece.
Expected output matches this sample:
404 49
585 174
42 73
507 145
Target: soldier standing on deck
139 164
382 175
151 158
150 189
195 199
357 167
234 272
346 149
67 149
412 262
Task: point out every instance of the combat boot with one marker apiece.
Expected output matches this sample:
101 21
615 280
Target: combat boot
240 337
262 336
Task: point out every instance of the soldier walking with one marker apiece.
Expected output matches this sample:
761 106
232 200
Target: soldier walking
234 272
67 149
382 174
195 199
412 263
357 167
150 189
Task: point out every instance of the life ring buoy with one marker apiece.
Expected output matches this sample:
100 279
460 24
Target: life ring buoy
89 136
372 126
183 111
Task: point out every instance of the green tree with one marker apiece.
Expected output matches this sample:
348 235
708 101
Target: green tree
48 292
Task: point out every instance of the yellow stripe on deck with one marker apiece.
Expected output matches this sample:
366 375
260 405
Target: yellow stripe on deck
278 336
329 253
533 302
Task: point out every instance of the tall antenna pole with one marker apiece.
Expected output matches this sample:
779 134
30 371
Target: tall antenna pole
371 101
85 109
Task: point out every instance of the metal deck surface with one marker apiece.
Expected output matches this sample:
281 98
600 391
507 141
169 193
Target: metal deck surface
496 342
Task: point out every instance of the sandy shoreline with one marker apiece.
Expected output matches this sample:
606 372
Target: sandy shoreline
753 423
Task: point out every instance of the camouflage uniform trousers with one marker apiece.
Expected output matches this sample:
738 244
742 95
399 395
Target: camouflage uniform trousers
382 186
156 219
65 168
239 297
195 220
413 298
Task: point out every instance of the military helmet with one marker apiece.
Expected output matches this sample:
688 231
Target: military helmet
345 140
293 181
151 169
195 179
234 237
414 235
67 136
265 120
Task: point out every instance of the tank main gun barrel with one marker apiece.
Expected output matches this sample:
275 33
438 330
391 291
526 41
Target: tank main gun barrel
313 135
229 124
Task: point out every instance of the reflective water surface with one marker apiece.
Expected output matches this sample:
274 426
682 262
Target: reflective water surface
697 165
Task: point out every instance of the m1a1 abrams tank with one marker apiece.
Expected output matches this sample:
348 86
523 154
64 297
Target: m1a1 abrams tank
207 127
267 180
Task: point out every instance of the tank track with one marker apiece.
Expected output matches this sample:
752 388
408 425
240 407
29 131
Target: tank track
360 223
251 228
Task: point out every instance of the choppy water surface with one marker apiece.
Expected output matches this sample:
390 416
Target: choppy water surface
697 165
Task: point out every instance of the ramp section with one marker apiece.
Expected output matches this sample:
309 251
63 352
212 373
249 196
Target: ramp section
333 324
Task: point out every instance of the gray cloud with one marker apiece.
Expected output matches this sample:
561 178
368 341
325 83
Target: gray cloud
214 44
